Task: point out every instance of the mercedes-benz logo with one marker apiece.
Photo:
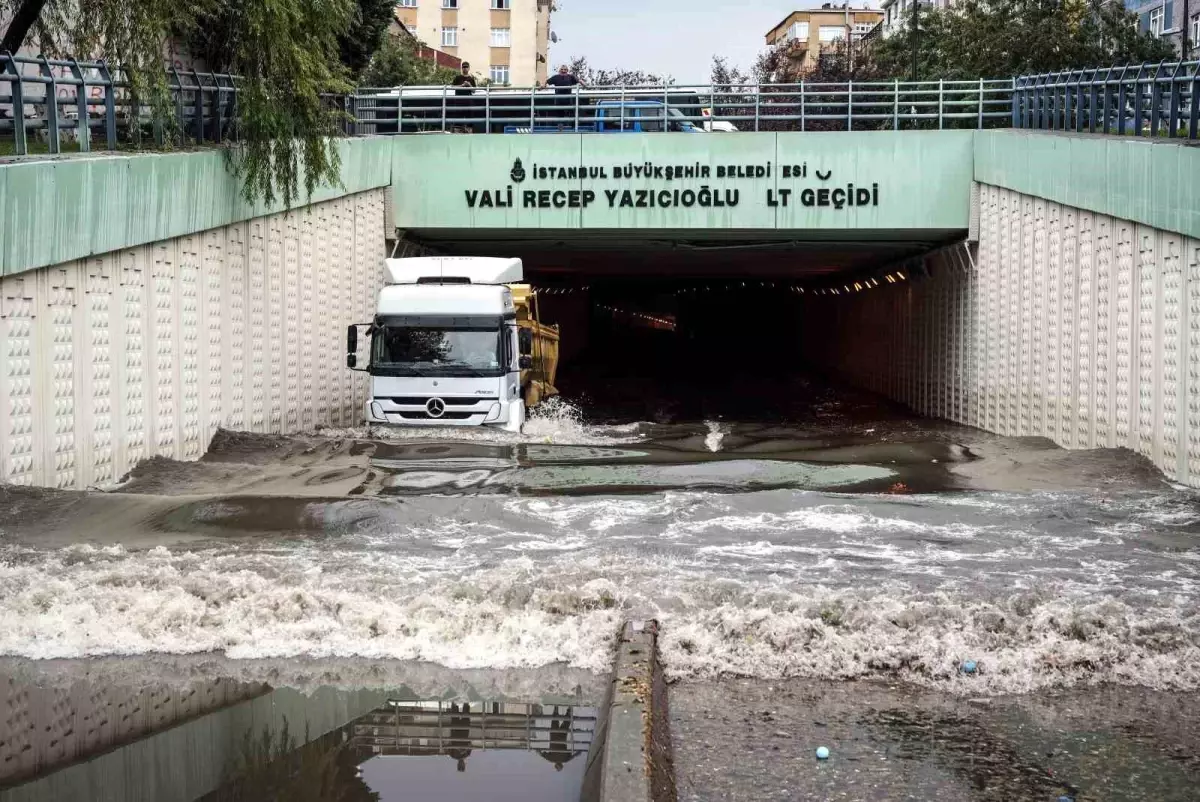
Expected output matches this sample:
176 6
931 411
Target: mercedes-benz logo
435 407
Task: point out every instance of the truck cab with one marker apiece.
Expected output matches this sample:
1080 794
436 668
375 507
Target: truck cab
445 348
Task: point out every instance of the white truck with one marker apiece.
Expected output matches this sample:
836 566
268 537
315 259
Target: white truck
447 347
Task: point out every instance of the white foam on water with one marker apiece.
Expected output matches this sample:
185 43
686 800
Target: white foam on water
531 602
712 440
837 519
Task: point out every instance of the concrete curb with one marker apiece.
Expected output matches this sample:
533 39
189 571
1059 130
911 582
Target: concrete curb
634 762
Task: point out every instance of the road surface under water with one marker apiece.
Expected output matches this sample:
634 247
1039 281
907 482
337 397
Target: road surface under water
853 544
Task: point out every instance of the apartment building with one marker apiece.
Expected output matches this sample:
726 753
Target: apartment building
1165 20
896 12
806 33
506 41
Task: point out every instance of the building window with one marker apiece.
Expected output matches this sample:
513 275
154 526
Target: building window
449 3
799 30
831 33
1156 20
1194 36
501 37
499 74
407 3
449 37
501 5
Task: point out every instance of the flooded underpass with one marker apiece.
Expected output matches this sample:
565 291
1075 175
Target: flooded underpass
955 615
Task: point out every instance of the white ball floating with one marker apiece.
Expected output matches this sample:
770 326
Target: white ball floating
822 753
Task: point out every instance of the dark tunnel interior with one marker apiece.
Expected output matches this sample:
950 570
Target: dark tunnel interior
668 329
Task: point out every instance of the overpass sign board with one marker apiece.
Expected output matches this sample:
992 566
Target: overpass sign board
811 181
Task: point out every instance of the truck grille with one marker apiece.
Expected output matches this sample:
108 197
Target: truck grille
420 401
445 416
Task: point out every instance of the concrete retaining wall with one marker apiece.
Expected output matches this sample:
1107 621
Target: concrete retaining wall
1063 323
147 351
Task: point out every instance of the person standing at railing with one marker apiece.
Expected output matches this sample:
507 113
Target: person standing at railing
464 84
563 82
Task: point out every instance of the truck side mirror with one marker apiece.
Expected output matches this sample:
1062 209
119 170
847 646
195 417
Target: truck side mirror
351 339
526 362
352 361
525 340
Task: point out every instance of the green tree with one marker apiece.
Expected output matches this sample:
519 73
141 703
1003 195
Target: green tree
366 34
974 39
591 76
397 63
285 52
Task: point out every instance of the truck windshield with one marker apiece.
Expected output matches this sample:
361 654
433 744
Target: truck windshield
421 349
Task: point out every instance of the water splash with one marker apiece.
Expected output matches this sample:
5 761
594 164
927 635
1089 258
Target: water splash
553 421
712 440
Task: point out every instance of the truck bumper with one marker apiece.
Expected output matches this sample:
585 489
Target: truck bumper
509 415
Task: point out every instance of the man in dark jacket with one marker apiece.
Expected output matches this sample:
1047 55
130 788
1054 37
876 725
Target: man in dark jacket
563 83
464 84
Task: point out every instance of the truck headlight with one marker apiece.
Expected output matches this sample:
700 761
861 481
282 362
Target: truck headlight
377 411
494 412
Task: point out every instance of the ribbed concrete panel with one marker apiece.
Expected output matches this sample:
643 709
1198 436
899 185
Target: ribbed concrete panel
1062 323
48 727
147 352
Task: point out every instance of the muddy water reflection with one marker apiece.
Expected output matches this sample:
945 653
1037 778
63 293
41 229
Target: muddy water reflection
80 733
709 457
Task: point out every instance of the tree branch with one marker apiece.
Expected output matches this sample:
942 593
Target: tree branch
27 14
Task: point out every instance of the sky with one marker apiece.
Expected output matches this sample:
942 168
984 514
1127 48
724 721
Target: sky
677 37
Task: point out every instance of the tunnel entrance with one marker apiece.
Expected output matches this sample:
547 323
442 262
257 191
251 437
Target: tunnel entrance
675 327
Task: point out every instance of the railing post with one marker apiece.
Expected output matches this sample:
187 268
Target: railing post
443 109
850 105
1138 92
198 107
83 132
1155 102
622 117
1093 100
487 110
979 124
20 143
1194 114
895 104
533 108
1122 99
1018 114
758 103
1173 115
51 98
802 120
941 101
399 109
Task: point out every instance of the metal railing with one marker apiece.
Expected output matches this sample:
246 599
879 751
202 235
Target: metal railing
1139 100
850 106
59 105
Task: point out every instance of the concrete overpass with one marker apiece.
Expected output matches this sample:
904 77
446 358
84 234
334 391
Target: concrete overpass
1051 282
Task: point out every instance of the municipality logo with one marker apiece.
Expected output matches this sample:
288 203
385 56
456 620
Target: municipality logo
518 172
